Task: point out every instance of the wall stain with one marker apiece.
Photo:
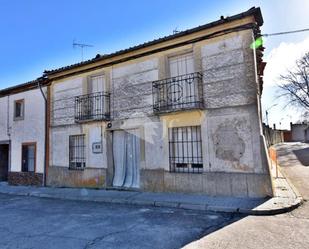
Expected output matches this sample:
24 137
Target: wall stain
229 145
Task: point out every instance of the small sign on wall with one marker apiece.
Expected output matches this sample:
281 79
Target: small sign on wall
97 147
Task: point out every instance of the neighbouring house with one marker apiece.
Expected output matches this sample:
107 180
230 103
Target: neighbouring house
22 134
300 132
177 114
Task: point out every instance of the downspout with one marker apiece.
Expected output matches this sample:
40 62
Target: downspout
8 131
45 125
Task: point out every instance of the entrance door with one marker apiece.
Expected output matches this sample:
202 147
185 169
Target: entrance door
126 154
4 162
28 157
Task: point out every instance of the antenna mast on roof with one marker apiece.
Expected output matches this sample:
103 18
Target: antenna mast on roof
175 31
81 46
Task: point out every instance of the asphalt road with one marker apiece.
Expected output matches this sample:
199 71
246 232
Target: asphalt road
29 222
285 231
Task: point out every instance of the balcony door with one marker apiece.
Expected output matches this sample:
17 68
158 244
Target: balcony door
181 90
97 101
126 155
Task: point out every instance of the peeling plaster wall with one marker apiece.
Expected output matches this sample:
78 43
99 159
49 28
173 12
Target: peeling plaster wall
230 124
132 88
229 72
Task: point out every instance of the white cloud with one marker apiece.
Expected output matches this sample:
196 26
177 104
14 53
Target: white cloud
282 58
278 61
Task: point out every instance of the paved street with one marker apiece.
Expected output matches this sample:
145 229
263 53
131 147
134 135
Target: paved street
286 231
29 222
82 224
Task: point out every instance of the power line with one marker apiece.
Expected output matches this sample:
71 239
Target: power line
286 32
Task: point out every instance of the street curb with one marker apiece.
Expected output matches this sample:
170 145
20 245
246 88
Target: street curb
167 204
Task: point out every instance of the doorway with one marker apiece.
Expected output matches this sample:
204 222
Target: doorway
126 155
4 162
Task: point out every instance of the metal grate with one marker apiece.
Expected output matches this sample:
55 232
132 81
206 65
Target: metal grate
94 106
185 149
178 93
77 152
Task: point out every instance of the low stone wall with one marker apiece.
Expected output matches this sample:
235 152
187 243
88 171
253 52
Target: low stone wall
25 178
210 183
64 177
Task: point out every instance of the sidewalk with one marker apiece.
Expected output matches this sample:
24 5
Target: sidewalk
285 200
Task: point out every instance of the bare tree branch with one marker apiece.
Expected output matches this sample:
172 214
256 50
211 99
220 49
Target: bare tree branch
295 83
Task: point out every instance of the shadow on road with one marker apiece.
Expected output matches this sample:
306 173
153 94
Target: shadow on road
303 156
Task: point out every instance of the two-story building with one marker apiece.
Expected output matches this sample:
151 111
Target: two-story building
176 114
180 114
22 134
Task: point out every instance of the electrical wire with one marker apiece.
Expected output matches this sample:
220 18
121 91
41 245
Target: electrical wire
285 33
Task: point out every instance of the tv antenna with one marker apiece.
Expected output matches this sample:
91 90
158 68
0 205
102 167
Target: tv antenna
81 46
175 31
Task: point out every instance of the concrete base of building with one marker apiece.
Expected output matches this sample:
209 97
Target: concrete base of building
25 178
65 177
209 183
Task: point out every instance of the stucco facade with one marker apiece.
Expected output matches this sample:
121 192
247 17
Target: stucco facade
233 150
177 114
28 130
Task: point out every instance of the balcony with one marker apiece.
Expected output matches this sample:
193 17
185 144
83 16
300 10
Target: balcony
178 93
90 107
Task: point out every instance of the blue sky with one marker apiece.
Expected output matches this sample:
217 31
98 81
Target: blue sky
37 35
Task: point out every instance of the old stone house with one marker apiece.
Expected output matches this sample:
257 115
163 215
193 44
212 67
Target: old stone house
179 114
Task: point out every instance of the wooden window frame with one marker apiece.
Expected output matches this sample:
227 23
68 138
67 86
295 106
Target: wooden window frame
22 101
35 156
89 81
177 54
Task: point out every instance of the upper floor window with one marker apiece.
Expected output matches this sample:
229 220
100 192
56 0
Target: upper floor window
181 64
183 89
19 107
97 84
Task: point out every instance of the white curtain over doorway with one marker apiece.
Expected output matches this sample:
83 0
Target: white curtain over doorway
126 154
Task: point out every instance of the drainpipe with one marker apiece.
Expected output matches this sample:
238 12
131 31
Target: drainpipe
8 131
45 125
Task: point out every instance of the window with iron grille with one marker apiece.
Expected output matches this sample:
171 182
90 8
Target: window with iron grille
185 149
77 152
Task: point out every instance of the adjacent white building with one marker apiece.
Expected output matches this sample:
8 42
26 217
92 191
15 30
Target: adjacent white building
22 134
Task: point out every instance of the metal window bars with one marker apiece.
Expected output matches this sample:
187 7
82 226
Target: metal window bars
94 106
185 149
77 152
178 93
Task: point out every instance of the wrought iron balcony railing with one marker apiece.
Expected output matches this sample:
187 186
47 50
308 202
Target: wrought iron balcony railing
94 106
178 93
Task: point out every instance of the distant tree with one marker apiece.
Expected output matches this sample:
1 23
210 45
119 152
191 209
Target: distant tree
304 117
295 83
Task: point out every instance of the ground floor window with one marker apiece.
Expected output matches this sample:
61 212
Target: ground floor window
185 149
28 157
77 152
